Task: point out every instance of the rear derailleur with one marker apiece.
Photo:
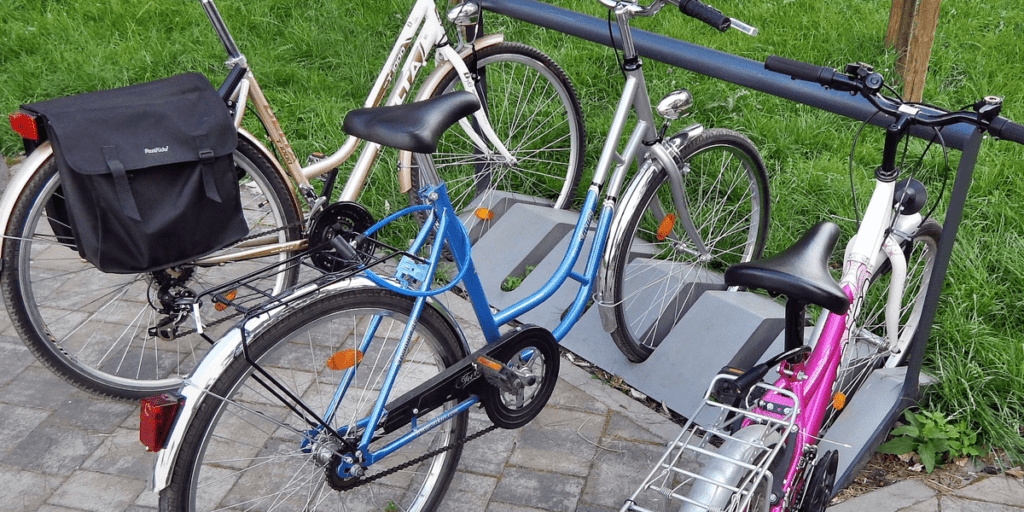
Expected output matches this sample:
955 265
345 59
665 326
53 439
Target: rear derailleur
173 300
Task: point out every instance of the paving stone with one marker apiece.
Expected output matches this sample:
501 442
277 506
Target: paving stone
538 489
23 490
16 423
37 387
567 396
51 508
14 358
949 504
468 493
999 489
488 454
52 450
929 505
497 506
618 471
97 492
87 413
122 454
888 499
559 440
621 427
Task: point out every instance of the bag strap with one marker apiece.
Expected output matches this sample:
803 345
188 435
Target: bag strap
124 190
205 159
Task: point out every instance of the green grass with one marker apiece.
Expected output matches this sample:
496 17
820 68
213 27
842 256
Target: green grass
315 60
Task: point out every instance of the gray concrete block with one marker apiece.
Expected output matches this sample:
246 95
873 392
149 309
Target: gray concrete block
37 387
121 454
951 504
538 489
16 423
14 358
86 413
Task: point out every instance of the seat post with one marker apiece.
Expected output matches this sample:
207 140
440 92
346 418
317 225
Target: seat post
794 326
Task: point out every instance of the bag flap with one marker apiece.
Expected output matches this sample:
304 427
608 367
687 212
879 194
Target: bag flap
166 121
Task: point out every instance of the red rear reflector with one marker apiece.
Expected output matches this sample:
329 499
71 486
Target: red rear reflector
24 125
156 416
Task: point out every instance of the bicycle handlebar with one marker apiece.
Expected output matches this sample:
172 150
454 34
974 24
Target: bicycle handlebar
703 12
868 84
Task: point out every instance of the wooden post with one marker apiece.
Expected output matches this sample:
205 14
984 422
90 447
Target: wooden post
911 31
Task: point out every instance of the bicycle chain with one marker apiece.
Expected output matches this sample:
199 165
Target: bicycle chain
425 456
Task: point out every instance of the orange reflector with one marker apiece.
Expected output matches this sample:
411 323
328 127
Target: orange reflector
220 306
490 363
24 124
344 359
838 400
666 226
483 214
156 417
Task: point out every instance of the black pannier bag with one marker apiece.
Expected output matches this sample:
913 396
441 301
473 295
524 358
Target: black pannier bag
147 173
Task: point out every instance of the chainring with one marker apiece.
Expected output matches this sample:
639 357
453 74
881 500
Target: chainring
343 218
532 354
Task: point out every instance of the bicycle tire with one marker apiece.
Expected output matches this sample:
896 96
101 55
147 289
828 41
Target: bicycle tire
865 350
244 424
91 328
654 281
548 141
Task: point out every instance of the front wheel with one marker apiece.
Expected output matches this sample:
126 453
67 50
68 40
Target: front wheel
867 347
92 328
246 450
656 271
532 106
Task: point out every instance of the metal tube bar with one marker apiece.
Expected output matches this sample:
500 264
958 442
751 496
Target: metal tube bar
713 63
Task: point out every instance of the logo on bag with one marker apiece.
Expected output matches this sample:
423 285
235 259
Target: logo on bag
150 151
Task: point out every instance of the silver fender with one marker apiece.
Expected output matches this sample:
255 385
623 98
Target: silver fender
629 203
726 472
229 346
19 181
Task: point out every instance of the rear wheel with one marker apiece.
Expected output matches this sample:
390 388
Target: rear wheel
93 328
532 106
246 450
656 271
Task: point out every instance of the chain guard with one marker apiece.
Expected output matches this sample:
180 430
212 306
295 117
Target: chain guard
343 218
531 354
819 488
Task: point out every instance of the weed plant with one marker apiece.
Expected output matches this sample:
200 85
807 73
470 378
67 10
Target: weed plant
316 59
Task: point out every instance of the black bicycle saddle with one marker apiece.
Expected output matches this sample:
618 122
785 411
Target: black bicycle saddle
412 127
799 272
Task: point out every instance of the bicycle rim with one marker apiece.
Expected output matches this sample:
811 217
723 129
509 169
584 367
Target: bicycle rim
92 328
533 109
244 449
867 348
658 275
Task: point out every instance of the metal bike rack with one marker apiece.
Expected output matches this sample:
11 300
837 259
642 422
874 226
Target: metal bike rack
858 432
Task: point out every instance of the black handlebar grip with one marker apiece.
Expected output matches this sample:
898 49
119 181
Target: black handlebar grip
703 12
800 70
1005 129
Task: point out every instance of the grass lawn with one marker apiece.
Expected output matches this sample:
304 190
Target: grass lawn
316 59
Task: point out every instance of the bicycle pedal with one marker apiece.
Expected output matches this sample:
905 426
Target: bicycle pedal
498 375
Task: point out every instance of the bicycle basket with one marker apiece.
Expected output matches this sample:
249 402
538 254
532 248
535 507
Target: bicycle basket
147 173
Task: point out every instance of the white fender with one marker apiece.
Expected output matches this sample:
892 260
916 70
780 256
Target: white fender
19 181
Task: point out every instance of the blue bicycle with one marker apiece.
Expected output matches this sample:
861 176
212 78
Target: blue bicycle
352 390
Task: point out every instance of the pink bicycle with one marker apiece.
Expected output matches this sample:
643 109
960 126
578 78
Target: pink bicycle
775 446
